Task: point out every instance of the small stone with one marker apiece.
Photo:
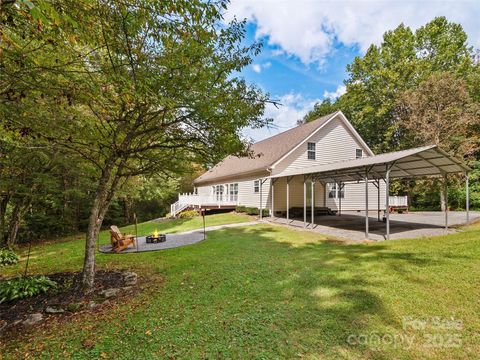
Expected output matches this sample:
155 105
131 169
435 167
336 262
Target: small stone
126 288
130 278
3 325
109 293
33 319
106 302
92 305
53 310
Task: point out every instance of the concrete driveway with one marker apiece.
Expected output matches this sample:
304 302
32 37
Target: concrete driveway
351 225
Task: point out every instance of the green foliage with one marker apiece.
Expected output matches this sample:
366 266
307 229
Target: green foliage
188 214
256 211
240 209
252 211
23 287
416 88
403 60
8 257
279 269
105 112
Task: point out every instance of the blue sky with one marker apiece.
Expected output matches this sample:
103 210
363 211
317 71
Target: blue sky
308 43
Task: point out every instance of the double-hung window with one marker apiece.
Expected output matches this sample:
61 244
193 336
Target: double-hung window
311 151
335 192
219 192
233 192
358 153
256 186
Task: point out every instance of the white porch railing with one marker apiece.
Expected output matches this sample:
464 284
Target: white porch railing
398 201
191 199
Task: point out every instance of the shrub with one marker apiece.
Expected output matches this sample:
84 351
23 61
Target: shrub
240 209
256 211
188 214
8 257
23 287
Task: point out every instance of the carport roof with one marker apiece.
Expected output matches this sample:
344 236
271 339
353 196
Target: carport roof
417 162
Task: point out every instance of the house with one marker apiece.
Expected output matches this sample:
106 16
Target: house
267 179
319 168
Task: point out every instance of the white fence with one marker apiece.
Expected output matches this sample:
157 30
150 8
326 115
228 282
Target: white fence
190 199
398 201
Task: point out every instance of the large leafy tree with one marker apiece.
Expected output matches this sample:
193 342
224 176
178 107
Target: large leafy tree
138 87
403 60
441 111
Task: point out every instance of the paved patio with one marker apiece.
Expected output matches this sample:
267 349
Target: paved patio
351 225
174 240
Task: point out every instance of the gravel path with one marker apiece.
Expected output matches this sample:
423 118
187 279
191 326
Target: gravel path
175 240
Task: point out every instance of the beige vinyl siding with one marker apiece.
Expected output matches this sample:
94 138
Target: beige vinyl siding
334 142
246 194
355 197
296 193
204 190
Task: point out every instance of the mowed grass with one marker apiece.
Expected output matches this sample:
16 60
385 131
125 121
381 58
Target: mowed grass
270 292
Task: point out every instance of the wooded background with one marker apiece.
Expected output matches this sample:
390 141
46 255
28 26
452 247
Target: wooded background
79 78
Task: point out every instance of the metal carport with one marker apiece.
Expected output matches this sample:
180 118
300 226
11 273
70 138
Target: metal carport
426 161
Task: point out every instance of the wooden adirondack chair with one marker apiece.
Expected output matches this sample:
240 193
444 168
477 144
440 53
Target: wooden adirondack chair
120 242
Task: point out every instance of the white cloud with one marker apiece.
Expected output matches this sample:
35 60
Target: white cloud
333 95
309 29
259 67
293 107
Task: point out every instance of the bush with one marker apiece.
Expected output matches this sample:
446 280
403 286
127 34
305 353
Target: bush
240 209
256 211
188 214
8 257
23 287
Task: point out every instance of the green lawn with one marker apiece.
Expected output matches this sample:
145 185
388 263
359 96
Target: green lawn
267 292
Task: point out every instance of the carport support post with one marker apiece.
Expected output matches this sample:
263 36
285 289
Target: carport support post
261 209
378 200
339 189
313 203
272 184
387 205
446 202
304 203
467 198
366 203
288 199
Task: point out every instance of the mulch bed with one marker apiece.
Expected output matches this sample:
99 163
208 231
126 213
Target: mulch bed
69 297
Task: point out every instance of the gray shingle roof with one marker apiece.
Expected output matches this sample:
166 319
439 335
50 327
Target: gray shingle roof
265 153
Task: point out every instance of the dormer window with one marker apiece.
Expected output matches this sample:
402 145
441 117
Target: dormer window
311 151
359 153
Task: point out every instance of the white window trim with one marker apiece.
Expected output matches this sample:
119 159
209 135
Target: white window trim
311 151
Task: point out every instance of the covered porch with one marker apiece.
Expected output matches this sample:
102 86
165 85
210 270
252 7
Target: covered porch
374 172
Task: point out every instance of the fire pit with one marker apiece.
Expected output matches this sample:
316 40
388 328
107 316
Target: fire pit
156 237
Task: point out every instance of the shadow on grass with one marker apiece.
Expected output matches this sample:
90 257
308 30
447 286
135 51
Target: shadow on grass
320 292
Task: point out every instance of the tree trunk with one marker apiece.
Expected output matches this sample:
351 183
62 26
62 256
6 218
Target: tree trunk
18 212
3 210
103 197
442 198
126 210
97 213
